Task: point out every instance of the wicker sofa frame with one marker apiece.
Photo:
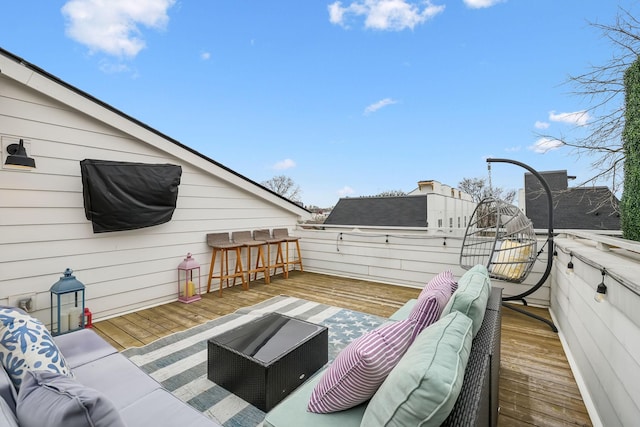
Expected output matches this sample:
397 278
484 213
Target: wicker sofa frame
477 404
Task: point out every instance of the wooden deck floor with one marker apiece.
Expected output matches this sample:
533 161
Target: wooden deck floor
536 384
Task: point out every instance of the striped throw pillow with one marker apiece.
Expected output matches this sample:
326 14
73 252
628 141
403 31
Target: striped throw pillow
361 367
429 308
444 280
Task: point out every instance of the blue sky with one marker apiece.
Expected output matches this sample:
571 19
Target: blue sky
347 98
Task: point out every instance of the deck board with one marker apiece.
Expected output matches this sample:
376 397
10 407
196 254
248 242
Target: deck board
537 387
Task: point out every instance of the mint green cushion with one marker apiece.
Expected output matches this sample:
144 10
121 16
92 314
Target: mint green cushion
423 388
471 296
404 311
292 411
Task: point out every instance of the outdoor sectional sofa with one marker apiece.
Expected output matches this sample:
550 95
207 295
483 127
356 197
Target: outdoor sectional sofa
476 403
126 395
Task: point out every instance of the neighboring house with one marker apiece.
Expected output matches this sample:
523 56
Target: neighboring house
589 208
318 215
432 205
43 228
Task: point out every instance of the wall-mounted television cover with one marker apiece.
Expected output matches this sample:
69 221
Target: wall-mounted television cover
126 196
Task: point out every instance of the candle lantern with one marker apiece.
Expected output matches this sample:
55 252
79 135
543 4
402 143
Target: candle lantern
188 280
67 304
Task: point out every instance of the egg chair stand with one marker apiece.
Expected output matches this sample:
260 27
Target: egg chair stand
500 237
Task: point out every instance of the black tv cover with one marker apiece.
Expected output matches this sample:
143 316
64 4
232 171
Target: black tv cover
125 196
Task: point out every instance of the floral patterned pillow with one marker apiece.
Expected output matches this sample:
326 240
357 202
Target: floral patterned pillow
26 345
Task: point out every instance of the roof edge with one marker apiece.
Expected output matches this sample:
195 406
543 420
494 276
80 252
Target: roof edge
57 80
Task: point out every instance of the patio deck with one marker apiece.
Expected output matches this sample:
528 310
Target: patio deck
537 386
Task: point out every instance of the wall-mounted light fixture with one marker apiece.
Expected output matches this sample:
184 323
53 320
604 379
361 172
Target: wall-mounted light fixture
18 158
601 290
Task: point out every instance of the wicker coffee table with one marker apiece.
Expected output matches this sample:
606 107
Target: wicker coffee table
266 359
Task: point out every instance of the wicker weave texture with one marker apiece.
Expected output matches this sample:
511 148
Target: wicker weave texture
477 404
265 385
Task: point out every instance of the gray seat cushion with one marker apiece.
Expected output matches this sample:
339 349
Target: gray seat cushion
117 378
82 347
161 408
292 411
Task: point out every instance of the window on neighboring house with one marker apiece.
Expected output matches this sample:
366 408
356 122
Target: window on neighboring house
440 223
459 224
450 222
465 220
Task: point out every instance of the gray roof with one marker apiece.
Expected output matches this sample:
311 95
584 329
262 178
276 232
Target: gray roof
401 211
573 208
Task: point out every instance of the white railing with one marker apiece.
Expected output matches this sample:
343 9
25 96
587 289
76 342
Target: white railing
398 255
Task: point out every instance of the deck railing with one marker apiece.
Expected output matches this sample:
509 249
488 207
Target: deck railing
402 256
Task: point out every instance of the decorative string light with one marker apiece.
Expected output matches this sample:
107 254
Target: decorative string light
602 288
570 265
601 291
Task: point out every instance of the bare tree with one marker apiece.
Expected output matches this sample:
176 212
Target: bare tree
478 189
603 88
284 186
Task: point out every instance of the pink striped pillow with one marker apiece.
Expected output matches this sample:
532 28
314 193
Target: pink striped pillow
361 367
443 280
429 307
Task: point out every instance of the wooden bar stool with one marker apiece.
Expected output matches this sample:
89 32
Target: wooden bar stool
283 233
244 238
220 242
265 236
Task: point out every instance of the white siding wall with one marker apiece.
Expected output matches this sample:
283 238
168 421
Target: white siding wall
409 258
603 339
43 229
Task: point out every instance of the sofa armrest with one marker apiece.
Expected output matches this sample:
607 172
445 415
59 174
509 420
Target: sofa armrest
473 405
7 391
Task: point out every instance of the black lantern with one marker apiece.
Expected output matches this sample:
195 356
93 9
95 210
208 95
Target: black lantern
67 304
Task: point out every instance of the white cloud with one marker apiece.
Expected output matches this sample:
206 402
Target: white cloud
345 191
479 4
205 56
513 149
378 105
284 164
544 145
578 118
395 15
541 125
336 13
113 26
109 67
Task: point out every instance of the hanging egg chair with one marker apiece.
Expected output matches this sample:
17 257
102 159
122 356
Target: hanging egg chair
500 237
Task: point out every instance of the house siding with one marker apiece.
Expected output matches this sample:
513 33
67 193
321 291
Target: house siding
602 340
43 228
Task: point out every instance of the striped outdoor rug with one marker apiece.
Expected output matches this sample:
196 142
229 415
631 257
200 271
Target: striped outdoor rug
179 361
